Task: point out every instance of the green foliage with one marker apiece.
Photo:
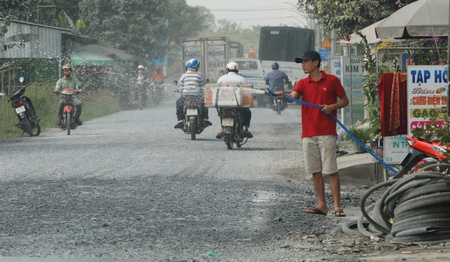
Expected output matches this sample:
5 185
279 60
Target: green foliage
369 87
188 21
129 25
30 10
145 28
361 133
347 16
66 22
430 55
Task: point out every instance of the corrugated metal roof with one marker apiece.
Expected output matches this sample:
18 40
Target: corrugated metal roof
29 40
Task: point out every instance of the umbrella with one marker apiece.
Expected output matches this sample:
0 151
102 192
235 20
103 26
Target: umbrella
420 19
90 58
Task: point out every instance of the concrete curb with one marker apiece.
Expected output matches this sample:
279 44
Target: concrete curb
360 169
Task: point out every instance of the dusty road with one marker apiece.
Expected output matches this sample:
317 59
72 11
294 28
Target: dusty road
130 187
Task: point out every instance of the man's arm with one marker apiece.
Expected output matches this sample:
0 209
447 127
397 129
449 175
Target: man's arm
57 85
293 94
341 103
286 78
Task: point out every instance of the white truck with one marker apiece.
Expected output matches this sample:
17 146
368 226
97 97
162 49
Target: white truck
212 52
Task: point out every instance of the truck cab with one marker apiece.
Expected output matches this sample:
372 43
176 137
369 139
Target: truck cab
252 70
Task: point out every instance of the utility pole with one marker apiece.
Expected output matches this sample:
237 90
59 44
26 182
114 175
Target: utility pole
38 21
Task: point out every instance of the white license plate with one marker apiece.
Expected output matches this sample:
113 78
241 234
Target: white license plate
20 109
191 111
227 121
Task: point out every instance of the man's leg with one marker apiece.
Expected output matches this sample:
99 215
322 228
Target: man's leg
179 112
78 114
330 167
78 105
246 118
60 113
319 188
313 165
335 186
205 115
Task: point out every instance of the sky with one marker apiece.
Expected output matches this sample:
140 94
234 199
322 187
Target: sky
254 12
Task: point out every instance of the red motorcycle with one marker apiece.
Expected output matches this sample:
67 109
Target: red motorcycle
68 121
425 155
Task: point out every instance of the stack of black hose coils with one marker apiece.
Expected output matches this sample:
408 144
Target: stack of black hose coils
413 209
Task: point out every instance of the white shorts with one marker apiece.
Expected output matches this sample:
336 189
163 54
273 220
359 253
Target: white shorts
320 154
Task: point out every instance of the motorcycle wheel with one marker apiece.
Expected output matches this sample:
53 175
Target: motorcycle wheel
278 108
193 128
229 140
156 99
35 126
68 122
141 102
26 125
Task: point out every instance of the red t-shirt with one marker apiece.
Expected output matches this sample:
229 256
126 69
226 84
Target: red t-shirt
323 92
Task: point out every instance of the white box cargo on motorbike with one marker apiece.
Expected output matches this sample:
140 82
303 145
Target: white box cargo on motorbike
229 95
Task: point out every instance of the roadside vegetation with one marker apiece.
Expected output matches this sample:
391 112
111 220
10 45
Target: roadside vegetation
95 104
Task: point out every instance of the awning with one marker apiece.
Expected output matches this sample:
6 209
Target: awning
110 52
85 57
369 32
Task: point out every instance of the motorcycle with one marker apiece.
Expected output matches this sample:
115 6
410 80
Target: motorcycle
230 101
425 155
69 111
141 93
233 132
28 120
193 123
157 89
278 104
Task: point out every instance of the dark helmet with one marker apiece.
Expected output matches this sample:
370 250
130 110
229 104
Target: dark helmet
275 65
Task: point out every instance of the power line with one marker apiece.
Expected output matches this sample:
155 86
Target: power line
250 10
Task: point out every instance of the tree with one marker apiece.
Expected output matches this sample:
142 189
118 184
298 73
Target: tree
348 16
133 25
232 30
27 10
188 21
144 28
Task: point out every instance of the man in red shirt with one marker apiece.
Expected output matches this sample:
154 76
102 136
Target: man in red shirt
319 129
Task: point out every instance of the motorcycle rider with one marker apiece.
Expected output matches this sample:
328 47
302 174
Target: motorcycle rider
276 79
158 75
191 83
69 81
232 77
143 79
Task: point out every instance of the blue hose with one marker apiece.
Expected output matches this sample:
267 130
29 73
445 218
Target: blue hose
342 125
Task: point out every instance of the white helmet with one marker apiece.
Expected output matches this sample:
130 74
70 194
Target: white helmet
232 66
141 67
67 66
